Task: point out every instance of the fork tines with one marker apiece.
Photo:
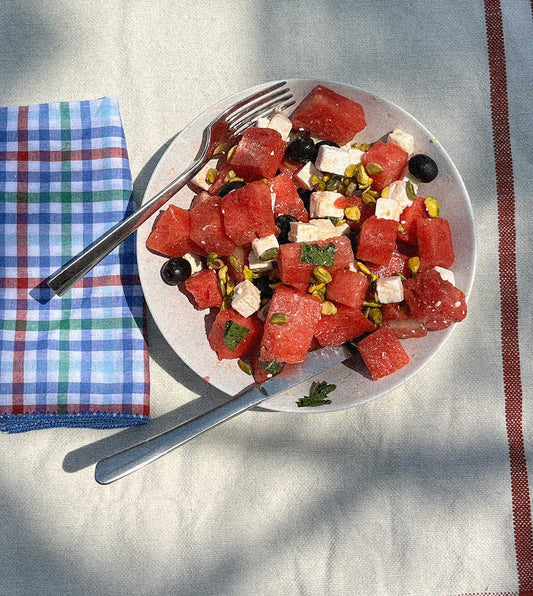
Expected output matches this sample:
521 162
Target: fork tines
276 97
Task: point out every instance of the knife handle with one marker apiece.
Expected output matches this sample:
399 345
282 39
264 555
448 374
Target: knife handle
133 458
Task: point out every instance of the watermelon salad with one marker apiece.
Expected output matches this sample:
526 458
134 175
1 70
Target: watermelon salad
301 236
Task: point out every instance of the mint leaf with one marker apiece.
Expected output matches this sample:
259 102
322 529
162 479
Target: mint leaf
312 253
271 366
234 334
317 396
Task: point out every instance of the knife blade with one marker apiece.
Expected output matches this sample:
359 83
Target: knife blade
133 458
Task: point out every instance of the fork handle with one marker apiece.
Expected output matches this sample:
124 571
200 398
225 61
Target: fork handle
64 278
121 464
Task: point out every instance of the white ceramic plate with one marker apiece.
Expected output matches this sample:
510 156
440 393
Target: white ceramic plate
184 328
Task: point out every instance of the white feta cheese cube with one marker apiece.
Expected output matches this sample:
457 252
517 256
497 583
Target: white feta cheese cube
328 229
261 245
322 204
258 266
402 139
199 180
446 274
194 261
306 173
282 124
278 122
389 289
303 232
342 229
388 209
355 156
397 191
246 298
262 122
332 159
325 227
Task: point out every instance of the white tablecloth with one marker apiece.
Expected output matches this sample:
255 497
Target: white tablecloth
411 494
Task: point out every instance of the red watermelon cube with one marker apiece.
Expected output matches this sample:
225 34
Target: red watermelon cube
248 214
258 154
171 233
328 115
294 272
377 240
290 168
290 341
435 245
382 353
207 227
199 199
346 324
348 287
406 328
392 311
397 264
391 158
288 201
434 302
409 218
260 205
204 288
234 336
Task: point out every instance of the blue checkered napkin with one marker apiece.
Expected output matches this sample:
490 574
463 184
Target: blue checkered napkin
80 360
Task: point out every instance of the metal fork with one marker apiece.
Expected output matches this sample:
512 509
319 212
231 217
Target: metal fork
226 128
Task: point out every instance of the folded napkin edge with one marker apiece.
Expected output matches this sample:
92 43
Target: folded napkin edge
17 423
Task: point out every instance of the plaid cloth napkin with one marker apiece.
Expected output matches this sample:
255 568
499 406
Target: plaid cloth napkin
80 360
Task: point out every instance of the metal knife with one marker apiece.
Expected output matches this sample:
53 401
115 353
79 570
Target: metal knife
133 458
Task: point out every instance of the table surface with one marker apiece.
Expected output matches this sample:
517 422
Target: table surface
414 493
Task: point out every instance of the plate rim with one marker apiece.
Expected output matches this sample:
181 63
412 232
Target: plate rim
446 333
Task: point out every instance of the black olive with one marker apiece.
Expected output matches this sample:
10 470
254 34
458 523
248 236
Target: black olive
300 149
305 195
229 186
284 224
423 167
175 271
263 285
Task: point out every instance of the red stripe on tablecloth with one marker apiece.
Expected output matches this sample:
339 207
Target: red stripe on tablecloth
521 593
497 594
29 283
75 155
509 297
22 257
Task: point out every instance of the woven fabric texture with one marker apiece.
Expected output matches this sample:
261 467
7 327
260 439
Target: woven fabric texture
79 360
